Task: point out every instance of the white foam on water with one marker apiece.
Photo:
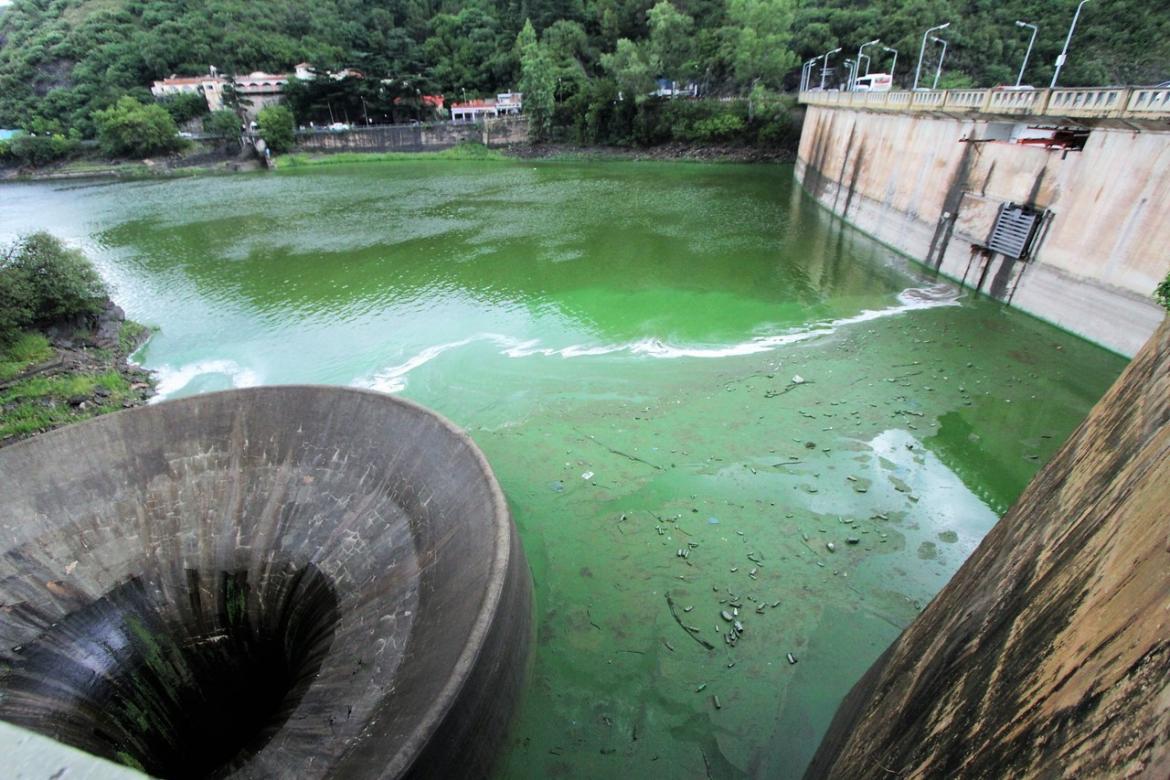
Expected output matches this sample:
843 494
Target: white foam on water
170 380
393 378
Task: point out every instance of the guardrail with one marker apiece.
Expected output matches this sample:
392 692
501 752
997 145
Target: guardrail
1080 102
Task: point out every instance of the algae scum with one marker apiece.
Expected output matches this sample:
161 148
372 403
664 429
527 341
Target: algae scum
701 394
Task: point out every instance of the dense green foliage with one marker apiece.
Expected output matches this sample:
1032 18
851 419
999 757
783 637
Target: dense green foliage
222 123
129 128
185 106
276 127
43 281
36 150
63 60
1162 293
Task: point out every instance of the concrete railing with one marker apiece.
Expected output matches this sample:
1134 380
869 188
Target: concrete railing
1079 102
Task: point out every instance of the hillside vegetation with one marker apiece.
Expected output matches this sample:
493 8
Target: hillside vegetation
63 60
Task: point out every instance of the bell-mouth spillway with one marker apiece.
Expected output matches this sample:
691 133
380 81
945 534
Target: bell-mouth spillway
262 582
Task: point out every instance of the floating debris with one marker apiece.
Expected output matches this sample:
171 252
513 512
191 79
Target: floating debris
688 609
702 687
852 540
798 380
830 547
726 616
712 521
587 475
791 658
716 702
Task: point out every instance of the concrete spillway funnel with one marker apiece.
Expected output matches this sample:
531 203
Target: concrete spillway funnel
274 582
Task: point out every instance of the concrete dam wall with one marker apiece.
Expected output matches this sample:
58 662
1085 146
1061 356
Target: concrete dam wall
932 185
416 138
1048 653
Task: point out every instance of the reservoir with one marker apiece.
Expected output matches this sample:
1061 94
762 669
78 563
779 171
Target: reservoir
701 393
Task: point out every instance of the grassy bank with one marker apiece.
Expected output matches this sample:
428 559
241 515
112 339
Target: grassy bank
44 387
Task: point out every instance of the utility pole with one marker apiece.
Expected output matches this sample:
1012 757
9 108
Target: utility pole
1027 54
922 50
1064 52
941 57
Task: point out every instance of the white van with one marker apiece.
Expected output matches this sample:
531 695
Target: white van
874 82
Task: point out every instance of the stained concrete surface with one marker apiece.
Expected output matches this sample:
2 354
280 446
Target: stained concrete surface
931 186
269 582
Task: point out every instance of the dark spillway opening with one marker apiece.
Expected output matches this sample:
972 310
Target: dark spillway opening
185 679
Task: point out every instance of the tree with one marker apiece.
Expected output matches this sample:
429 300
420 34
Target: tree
129 128
672 41
43 281
276 127
631 71
758 37
184 106
224 124
537 82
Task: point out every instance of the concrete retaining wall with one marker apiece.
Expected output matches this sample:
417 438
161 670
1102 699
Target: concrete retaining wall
931 186
418 138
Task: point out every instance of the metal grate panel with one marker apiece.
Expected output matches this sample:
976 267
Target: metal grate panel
1015 227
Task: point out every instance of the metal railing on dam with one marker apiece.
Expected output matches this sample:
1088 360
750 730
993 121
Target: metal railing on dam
1141 103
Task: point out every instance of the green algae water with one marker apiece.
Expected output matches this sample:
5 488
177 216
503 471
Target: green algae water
690 381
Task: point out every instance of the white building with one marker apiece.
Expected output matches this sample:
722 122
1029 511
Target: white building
210 86
506 103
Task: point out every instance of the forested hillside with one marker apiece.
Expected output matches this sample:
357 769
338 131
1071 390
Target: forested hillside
60 60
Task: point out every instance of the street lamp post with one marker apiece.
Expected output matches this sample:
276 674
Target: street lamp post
922 50
852 66
825 65
861 53
893 64
941 57
1064 52
1027 54
806 73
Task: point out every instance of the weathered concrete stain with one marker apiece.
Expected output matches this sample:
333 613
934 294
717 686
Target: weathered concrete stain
1050 647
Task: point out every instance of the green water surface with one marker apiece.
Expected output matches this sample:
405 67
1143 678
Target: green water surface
656 358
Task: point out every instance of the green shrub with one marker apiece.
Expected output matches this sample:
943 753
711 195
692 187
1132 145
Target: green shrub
131 129
37 150
276 128
43 281
1162 292
718 128
16 305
